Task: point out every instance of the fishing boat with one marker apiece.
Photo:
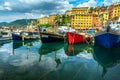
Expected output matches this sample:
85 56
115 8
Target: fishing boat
74 38
108 38
19 36
47 37
24 36
51 37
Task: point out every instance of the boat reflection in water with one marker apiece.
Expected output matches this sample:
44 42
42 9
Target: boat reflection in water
108 59
51 47
4 42
72 50
19 44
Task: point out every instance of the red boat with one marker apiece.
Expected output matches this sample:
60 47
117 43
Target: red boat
74 38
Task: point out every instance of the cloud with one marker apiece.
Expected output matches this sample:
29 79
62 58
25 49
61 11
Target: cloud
109 2
90 3
42 6
39 7
6 6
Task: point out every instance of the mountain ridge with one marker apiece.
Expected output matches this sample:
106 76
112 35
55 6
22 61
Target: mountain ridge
17 23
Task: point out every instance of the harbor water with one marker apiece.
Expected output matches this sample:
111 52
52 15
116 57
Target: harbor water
32 60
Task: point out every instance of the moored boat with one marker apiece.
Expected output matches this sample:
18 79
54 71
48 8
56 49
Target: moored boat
24 36
51 37
19 37
107 38
74 38
110 35
55 36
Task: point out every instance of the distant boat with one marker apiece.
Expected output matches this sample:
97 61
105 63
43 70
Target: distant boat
19 37
23 36
74 38
107 38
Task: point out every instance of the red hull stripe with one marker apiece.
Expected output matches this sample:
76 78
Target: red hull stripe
76 38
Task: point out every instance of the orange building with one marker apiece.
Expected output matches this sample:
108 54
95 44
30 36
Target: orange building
95 21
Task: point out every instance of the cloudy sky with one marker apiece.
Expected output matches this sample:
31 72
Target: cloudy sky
11 10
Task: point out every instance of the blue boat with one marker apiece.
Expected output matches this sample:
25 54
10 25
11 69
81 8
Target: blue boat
107 38
23 36
18 37
51 37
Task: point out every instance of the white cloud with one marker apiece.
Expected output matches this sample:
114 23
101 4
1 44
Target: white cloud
7 4
90 3
8 8
109 2
33 7
42 15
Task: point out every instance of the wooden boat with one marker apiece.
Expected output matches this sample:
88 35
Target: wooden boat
23 36
19 37
74 38
107 38
54 36
51 37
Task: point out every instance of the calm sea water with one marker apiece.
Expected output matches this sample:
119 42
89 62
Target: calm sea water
33 60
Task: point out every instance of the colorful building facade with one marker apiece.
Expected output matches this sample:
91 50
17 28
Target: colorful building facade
52 18
43 20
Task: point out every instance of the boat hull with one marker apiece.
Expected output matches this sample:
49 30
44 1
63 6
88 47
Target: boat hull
107 39
74 38
18 37
50 37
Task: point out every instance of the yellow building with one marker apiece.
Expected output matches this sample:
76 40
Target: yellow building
43 20
116 10
81 21
80 10
52 19
105 17
80 18
68 12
